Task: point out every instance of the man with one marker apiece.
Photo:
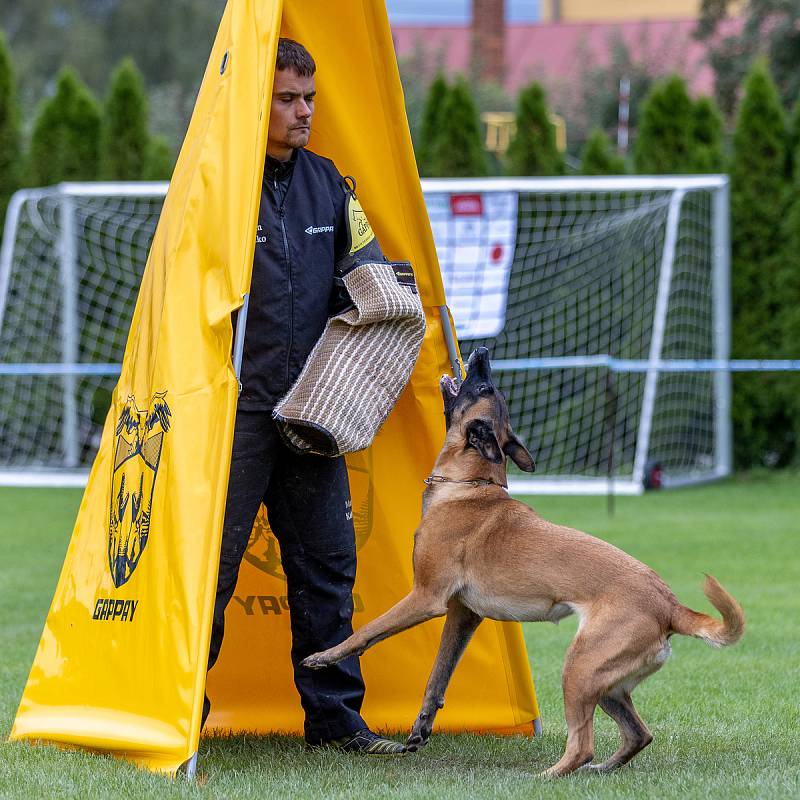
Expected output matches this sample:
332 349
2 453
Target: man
301 235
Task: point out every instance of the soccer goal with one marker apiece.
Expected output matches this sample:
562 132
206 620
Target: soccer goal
71 263
605 304
603 301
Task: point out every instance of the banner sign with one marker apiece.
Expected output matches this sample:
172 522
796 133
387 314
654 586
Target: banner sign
475 235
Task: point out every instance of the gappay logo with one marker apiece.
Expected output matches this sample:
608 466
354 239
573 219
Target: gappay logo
140 439
361 233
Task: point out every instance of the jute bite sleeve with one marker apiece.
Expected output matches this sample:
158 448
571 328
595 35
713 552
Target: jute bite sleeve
364 358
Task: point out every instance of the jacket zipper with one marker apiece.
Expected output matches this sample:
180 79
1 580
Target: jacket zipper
281 212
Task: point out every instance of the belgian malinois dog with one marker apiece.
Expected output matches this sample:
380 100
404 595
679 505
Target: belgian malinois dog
478 553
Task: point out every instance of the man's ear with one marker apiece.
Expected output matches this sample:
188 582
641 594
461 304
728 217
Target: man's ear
481 436
518 453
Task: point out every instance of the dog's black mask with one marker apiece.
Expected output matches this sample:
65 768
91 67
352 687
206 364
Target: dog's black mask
485 435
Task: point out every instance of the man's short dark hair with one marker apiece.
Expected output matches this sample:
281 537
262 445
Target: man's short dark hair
292 55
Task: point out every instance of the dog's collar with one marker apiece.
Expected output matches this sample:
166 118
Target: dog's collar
476 482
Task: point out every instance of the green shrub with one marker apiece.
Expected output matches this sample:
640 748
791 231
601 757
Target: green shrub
65 145
432 122
533 149
125 140
706 148
762 430
793 144
599 158
664 140
160 160
457 148
789 291
10 132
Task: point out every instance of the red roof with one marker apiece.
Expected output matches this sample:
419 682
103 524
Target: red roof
554 52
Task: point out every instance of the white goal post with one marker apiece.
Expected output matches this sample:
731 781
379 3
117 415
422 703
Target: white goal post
605 303
71 262
608 322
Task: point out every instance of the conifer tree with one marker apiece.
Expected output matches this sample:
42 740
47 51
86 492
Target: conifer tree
65 144
706 153
124 142
793 144
598 157
664 141
432 121
758 207
160 160
533 149
10 132
457 149
789 292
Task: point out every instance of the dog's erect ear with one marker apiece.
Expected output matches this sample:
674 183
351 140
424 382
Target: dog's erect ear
518 453
481 436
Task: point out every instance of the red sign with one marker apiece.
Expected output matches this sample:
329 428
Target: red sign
466 205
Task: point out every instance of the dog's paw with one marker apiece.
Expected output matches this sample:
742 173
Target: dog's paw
606 766
548 774
317 661
418 738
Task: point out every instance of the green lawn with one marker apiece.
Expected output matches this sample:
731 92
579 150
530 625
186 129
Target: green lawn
726 723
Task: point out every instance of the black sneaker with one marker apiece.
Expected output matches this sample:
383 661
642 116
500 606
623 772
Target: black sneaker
365 742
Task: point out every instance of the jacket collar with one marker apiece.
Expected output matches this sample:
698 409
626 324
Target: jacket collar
275 170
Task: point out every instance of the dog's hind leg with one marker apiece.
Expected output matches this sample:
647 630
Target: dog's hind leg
583 688
418 606
605 661
635 735
461 623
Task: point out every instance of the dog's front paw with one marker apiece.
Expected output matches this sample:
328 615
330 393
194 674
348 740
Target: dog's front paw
318 660
419 736
415 742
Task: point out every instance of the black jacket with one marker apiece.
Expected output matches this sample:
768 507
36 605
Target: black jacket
301 234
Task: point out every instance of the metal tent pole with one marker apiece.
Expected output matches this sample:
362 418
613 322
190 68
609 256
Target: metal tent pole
452 348
69 327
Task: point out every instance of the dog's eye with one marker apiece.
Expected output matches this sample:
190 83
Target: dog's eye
485 388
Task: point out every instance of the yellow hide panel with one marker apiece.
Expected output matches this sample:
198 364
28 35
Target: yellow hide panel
120 666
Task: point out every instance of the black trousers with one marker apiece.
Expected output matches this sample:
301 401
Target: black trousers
307 499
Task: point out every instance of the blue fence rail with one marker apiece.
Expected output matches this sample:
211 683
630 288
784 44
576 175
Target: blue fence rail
500 365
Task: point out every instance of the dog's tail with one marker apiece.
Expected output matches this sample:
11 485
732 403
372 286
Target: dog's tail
716 633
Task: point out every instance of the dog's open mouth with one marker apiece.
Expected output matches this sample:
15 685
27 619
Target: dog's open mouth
448 384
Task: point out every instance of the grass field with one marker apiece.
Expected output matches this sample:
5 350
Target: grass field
726 723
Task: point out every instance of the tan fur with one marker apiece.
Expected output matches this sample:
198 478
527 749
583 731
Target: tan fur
716 633
479 553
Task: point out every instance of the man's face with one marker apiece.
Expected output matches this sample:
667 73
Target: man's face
290 114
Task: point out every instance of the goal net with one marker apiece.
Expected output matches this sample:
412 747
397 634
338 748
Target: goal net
604 303
71 263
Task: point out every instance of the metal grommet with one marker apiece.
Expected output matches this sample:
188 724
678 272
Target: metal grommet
350 185
225 59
